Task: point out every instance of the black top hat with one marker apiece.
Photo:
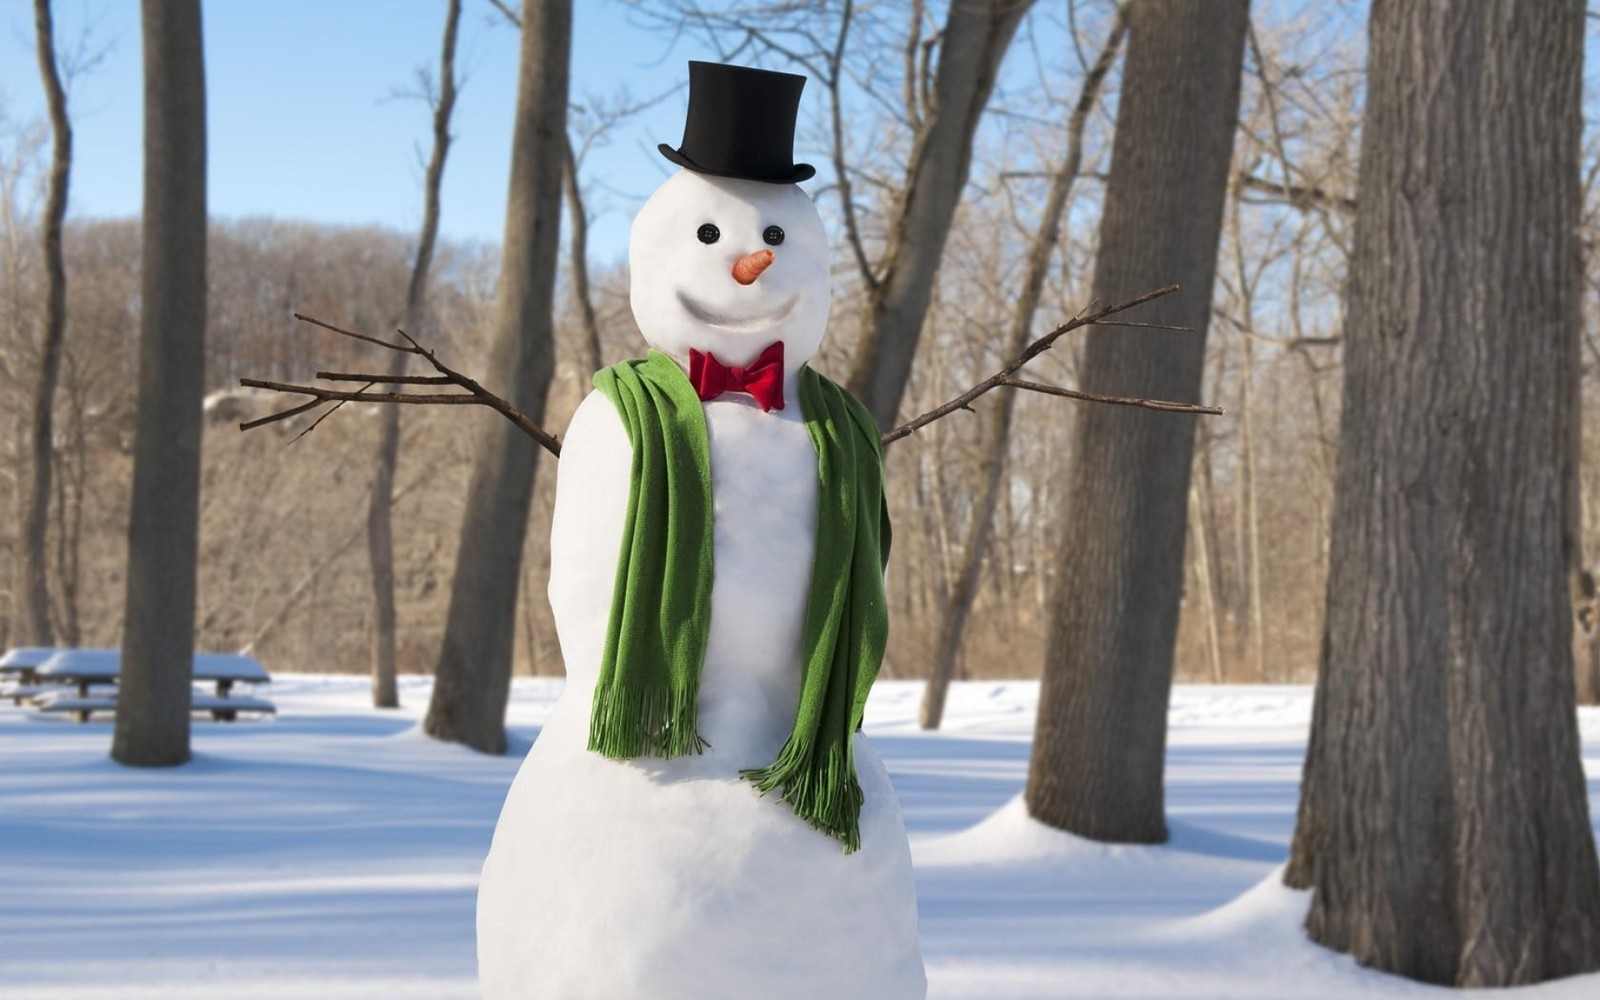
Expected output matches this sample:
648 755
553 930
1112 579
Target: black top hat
741 124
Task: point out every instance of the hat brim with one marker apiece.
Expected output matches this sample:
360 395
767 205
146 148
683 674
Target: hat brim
800 171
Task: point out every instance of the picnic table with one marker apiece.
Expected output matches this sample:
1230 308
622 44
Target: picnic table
21 660
86 668
17 668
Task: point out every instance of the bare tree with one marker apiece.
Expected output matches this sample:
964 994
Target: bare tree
36 518
1100 742
152 726
380 536
594 119
578 266
992 451
972 44
474 673
1443 822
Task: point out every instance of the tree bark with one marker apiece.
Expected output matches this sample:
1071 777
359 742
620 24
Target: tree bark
69 541
1101 734
152 724
578 262
1250 510
577 247
1199 514
36 518
1591 666
992 451
1445 828
975 38
380 507
473 679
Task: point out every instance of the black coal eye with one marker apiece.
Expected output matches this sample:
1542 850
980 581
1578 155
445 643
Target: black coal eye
709 233
773 235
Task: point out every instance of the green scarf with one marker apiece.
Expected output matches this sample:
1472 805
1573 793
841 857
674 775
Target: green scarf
644 701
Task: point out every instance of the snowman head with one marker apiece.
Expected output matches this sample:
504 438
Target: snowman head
727 266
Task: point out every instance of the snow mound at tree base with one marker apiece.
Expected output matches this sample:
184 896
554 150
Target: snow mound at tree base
1128 935
1010 836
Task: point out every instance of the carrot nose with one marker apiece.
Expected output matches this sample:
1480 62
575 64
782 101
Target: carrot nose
749 267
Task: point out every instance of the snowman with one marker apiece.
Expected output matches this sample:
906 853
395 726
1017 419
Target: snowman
700 818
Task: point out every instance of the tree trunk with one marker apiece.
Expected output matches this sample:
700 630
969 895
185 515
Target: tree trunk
473 680
1592 666
578 261
1199 513
1446 831
36 518
152 727
380 552
380 533
1252 517
974 40
992 451
1586 669
68 525
591 353
1101 735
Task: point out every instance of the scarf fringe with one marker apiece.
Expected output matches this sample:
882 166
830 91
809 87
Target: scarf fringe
644 721
823 790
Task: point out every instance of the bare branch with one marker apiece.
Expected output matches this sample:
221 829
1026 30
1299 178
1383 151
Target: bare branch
1299 195
1119 322
325 414
351 333
391 379
475 393
1005 376
284 415
909 96
506 12
841 169
1149 404
325 395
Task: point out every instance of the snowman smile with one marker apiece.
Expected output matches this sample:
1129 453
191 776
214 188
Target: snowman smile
739 324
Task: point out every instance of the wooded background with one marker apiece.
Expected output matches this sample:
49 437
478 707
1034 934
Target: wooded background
991 168
284 565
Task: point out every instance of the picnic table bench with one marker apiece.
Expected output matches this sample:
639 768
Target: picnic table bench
89 668
221 709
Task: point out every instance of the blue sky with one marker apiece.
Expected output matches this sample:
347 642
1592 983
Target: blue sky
302 122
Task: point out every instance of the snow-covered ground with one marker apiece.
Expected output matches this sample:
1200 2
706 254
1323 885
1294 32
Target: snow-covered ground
333 853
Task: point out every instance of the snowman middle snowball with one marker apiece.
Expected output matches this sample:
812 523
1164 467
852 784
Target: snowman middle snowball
683 290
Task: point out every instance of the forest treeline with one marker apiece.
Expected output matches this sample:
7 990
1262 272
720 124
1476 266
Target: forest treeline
284 570
284 567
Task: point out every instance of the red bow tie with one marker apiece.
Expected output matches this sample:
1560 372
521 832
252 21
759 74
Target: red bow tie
763 379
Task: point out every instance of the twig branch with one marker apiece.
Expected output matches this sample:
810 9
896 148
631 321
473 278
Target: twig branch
474 394
1299 195
391 379
324 395
1093 397
841 169
284 415
1137 326
1006 376
325 414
